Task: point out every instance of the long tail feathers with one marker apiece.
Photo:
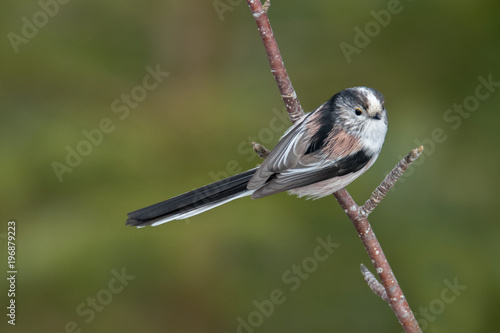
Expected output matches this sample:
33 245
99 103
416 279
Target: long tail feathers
193 202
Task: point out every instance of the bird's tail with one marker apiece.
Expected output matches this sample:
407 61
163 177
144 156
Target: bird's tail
193 202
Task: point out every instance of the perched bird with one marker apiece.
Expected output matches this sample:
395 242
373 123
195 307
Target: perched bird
321 153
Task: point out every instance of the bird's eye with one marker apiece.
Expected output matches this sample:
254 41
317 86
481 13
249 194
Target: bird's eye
358 112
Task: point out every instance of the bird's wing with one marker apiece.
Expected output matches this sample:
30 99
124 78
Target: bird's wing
284 156
305 173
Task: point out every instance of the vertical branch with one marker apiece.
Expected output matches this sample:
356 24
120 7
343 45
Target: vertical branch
293 107
397 299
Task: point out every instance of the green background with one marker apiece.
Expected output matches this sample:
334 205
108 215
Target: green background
439 225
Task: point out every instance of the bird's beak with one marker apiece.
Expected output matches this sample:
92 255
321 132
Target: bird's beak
377 116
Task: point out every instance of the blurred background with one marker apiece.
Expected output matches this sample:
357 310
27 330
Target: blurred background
108 107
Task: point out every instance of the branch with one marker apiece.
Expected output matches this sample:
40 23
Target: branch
397 300
357 215
278 69
390 180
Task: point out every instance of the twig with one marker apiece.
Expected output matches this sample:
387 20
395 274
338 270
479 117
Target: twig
293 107
262 151
397 300
266 5
377 288
390 180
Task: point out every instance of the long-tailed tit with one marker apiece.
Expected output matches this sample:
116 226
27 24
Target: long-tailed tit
321 153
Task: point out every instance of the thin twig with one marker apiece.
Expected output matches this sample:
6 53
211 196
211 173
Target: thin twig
377 288
390 180
397 300
293 107
266 5
262 151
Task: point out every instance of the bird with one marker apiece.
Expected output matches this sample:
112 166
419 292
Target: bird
323 152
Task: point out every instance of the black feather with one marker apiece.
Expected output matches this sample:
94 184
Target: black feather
206 195
350 164
326 118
